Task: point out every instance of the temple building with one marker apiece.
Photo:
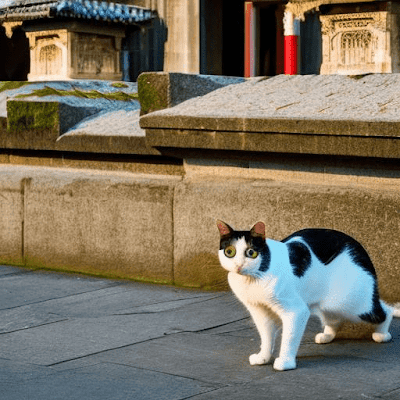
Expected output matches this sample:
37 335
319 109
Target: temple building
89 39
71 39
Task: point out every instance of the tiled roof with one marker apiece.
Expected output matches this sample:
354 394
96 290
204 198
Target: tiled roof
19 10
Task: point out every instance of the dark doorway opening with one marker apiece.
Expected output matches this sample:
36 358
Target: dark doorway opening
18 62
267 38
233 38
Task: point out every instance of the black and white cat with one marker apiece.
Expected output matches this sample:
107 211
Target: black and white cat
313 271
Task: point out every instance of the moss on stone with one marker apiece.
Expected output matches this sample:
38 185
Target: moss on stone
10 85
31 115
119 85
152 95
92 94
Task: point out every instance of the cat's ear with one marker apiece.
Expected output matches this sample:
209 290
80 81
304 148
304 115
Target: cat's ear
224 229
258 230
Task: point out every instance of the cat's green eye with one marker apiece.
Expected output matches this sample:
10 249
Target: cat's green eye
230 251
251 253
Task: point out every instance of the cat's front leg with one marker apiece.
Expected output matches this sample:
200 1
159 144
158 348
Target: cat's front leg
267 329
294 322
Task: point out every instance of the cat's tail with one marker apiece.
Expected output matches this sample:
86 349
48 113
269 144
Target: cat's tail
396 310
393 308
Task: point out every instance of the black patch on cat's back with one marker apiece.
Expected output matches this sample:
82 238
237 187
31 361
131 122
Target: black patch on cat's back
377 314
299 257
266 258
327 244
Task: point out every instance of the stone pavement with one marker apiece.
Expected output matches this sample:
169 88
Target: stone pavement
74 337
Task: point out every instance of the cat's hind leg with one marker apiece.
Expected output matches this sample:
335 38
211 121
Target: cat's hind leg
381 334
331 326
267 328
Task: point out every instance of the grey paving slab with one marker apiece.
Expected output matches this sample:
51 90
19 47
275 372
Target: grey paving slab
212 358
13 372
5 270
100 381
120 299
335 378
388 353
90 338
24 318
80 337
16 291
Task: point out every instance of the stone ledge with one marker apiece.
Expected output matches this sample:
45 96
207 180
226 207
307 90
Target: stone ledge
167 141
78 116
327 115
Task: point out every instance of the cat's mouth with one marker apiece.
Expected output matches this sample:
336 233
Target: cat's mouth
239 269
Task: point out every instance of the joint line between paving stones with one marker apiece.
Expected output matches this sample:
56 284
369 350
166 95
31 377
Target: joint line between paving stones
167 310
36 326
201 394
165 373
57 298
388 392
218 326
104 351
143 341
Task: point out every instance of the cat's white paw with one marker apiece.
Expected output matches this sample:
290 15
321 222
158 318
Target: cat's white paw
282 364
381 337
259 359
322 338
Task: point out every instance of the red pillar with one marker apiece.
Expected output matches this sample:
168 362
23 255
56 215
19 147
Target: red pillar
249 39
291 28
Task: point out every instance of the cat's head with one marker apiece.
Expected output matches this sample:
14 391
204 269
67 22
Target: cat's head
243 252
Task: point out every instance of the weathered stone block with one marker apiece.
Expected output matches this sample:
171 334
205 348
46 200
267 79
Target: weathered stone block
49 118
368 214
12 188
159 90
103 223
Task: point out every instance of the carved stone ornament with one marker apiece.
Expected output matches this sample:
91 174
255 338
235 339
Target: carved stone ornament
359 43
9 27
64 54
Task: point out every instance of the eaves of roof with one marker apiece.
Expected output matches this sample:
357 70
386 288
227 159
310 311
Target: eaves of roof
20 10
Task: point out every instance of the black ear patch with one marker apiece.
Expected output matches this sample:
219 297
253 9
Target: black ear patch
300 258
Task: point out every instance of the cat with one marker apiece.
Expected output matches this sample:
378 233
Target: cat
313 271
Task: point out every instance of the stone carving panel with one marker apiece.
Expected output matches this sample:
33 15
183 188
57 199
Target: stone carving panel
63 54
94 55
48 51
356 48
357 43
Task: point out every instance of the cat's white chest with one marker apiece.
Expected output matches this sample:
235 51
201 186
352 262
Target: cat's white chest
249 291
